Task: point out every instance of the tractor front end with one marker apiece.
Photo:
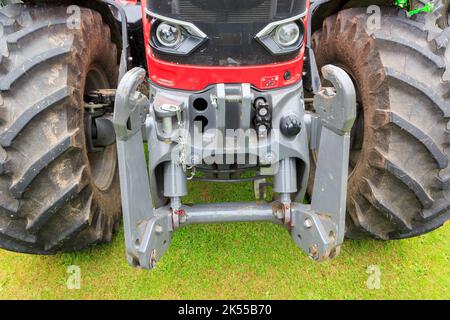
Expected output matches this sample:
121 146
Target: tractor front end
337 111
226 105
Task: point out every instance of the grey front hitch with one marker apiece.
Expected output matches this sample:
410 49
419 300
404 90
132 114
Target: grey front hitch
317 228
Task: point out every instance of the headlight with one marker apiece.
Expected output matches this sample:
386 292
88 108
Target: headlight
287 34
169 35
284 36
173 36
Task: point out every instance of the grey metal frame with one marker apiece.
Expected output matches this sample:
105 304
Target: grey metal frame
152 207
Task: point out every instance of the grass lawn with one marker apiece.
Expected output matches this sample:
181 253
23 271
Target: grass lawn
237 261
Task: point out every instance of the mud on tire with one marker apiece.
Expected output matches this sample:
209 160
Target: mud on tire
399 186
49 197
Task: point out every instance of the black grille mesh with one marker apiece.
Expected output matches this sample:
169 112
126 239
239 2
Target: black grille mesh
191 12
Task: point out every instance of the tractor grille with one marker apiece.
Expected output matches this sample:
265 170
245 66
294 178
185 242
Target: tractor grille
261 12
231 26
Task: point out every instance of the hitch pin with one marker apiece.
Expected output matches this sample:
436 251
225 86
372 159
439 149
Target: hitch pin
179 117
176 109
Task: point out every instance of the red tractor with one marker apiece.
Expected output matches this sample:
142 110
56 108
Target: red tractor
341 107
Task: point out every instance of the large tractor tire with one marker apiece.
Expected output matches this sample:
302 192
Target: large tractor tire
399 169
54 194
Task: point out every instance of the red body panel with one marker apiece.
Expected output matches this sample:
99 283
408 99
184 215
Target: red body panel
196 78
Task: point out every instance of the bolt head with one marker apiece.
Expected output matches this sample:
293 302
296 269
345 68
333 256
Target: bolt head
308 223
153 258
262 129
314 252
280 214
158 229
263 111
268 158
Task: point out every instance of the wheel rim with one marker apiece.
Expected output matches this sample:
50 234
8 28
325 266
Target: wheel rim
103 162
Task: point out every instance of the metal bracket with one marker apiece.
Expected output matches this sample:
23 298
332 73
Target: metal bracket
245 98
146 234
337 110
131 106
156 238
336 106
315 233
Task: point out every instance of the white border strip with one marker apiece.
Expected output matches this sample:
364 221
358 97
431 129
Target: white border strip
271 26
190 27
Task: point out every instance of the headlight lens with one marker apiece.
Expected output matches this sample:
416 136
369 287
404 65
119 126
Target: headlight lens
169 35
174 37
287 34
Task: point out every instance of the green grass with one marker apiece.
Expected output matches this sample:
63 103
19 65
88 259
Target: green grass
239 261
